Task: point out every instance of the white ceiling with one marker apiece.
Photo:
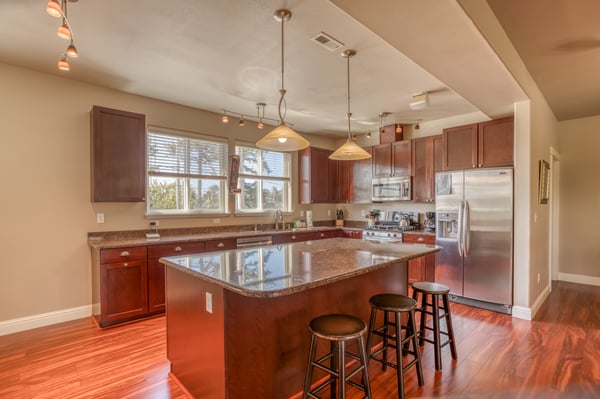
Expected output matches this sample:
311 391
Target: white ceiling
225 54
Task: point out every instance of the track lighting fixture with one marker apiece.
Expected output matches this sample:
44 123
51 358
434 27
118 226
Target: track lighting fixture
369 135
282 138
63 64
259 118
54 9
224 118
242 122
260 123
64 31
349 151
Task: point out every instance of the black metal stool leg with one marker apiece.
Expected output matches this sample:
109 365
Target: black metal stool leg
386 324
333 365
436 332
341 370
364 359
412 325
311 359
370 334
449 326
400 370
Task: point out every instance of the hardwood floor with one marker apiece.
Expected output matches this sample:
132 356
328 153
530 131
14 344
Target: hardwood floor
557 355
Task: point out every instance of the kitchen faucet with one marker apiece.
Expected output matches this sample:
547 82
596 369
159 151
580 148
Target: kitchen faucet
278 218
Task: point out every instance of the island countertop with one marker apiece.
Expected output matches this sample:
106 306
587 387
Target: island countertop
276 270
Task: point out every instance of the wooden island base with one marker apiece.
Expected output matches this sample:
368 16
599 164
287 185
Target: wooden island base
256 347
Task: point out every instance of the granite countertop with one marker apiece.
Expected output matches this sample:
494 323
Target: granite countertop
284 269
101 243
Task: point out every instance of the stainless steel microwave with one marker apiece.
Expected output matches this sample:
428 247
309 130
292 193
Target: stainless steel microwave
391 189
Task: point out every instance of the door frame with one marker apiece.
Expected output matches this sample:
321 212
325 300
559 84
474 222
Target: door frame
553 273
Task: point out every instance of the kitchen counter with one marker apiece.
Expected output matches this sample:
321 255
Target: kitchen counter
275 270
237 321
101 243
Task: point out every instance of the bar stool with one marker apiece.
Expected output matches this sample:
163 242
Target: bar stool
337 329
396 304
435 292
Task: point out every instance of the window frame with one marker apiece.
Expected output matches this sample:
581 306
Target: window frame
191 137
287 195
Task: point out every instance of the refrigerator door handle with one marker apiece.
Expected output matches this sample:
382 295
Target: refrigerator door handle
459 235
466 228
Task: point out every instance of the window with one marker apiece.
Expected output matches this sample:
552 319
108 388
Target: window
264 179
186 175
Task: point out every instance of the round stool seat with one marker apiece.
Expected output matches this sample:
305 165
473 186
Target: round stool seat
337 327
393 302
431 288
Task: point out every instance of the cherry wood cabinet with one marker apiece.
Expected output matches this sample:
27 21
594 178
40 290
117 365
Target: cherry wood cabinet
425 153
357 234
362 173
220 245
123 285
156 270
423 268
391 133
392 159
345 186
118 156
479 145
317 175
293 237
320 235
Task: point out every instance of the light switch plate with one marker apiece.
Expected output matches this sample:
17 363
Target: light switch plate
209 304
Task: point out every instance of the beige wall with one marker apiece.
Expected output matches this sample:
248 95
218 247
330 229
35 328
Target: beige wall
46 211
579 198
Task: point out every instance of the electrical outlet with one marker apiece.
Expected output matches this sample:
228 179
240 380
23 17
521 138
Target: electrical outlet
209 302
328 212
301 213
216 221
538 278
99 218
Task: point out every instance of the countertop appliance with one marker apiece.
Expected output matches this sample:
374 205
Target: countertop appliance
474 215
396 188
391 225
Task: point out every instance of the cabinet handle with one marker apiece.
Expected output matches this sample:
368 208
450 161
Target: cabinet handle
293 237
125 264
322 235
474 165
125 253
480 165
220 245
177 249
420 239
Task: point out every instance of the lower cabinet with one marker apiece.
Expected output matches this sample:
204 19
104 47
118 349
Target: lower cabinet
293 237
423 268
156 270
352 234
123 284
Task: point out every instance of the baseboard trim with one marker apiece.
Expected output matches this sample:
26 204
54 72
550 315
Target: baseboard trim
579 279
44 319
521 312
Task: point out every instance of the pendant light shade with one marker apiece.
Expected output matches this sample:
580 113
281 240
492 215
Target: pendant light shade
349 151
63 31
282 138
53 8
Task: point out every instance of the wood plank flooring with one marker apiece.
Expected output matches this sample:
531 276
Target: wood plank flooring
557 355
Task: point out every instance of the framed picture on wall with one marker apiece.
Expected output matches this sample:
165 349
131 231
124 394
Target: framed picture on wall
544 184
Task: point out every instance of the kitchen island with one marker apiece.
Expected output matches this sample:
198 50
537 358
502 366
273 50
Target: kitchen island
237 321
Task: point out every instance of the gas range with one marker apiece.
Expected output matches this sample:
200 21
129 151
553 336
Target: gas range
391 228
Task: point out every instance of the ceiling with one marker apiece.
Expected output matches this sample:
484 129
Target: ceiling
225 54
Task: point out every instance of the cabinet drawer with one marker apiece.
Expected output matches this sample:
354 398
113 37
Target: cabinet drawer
174 249
324 234
219 245
117 255
418 239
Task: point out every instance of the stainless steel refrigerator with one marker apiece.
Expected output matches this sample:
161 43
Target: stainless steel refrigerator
474 225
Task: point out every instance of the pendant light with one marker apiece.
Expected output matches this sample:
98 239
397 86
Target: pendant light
282 138
349 151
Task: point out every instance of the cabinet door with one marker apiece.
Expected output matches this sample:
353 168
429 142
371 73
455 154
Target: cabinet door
460 147
362 173
422 168
390 133
345 187
292 237
438 154
496 143
124 290
156 270
332 181
401 158
357 234
314 176
382 160
118 156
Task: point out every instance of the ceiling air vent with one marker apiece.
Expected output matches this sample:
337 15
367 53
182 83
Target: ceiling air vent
323 39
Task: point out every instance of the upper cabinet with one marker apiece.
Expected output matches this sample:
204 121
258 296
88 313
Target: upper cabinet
393 159
118 156
479 145
362 172
317 175
426 160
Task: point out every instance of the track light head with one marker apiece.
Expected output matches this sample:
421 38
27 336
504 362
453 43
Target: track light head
53 8
72 51
63 64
